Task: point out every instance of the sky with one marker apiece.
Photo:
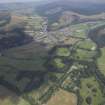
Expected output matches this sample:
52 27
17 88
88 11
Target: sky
96 1
6 1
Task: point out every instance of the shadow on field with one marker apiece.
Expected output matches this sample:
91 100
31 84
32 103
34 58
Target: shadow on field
21 63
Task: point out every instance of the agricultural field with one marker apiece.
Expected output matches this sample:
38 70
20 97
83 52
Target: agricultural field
62 98
35 23
90 92
15 21
80 30
70 41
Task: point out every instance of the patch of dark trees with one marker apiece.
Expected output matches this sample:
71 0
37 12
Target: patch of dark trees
15 38
5 17
97 37
36 80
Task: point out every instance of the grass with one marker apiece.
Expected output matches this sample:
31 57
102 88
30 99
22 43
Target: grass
84 54
98 24
101 61
80 30
63 52
87 44
91 88
57 62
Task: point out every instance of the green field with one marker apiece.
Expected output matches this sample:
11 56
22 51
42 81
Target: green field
101 61
98 24
84 55
80 30
63 52
87 44
91 93
57 62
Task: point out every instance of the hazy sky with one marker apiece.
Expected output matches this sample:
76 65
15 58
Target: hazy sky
5 1
96 1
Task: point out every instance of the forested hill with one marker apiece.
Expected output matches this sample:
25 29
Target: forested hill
80 7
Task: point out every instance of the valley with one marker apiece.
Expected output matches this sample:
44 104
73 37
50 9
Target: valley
44 61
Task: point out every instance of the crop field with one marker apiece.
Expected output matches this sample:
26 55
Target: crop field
35 23
70 41
62 98
80 30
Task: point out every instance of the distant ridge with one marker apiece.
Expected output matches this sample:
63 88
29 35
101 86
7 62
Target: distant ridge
86 8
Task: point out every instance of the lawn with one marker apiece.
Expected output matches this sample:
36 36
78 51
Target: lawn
90 92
